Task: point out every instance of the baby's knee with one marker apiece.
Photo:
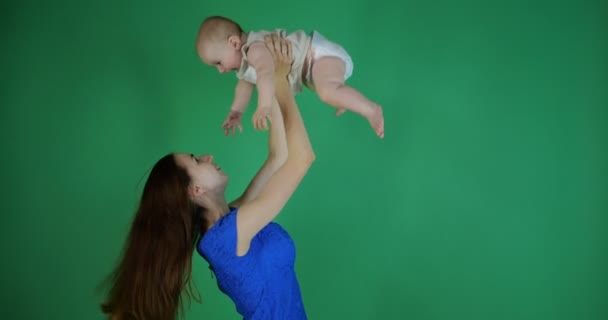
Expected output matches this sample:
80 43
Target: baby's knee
327 90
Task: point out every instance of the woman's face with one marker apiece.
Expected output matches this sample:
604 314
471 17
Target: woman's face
203 171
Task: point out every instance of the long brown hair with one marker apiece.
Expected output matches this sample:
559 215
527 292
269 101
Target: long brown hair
155 268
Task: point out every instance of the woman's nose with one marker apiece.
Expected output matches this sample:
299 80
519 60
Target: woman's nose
206 158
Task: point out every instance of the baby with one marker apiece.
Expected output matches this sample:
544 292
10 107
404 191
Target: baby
319 64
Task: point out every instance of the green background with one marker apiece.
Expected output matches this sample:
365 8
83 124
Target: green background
486 200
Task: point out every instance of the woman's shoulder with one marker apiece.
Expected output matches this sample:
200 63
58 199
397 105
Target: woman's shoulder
220 234
223 224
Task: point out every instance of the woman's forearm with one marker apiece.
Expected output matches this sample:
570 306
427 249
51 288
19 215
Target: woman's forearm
298 143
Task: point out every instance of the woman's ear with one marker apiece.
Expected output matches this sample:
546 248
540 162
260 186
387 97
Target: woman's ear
196 191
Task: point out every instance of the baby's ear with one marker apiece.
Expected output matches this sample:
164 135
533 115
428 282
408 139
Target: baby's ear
235 42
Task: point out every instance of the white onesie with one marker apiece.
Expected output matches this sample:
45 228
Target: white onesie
301 42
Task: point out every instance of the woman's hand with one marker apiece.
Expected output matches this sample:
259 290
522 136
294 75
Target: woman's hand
281 52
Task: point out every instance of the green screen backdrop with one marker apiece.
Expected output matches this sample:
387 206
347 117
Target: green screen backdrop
487 199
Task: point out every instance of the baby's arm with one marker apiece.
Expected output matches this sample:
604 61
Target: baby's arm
242 95
261 60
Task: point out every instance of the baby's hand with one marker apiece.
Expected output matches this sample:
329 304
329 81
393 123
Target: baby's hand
232 122
262 113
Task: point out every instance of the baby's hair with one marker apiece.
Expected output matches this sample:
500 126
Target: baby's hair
216 28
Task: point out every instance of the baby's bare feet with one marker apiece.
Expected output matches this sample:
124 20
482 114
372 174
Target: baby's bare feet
376 120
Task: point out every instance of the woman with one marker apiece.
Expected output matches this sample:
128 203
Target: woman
183 207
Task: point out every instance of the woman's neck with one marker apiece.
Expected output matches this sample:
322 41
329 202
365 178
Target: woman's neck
216 209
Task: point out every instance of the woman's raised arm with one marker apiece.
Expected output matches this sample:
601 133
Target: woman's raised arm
257 213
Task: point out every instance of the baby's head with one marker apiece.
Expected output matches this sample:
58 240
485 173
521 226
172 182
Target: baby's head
219 43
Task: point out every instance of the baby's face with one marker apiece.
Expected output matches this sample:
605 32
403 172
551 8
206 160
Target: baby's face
224 56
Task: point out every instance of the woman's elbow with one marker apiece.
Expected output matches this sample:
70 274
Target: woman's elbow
308 157
278 157
312 157
302 163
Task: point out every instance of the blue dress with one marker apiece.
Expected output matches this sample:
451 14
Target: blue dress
262 283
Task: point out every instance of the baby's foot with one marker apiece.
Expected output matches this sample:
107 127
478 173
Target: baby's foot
376 120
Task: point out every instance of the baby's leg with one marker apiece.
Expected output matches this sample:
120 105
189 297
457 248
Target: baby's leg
328 80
